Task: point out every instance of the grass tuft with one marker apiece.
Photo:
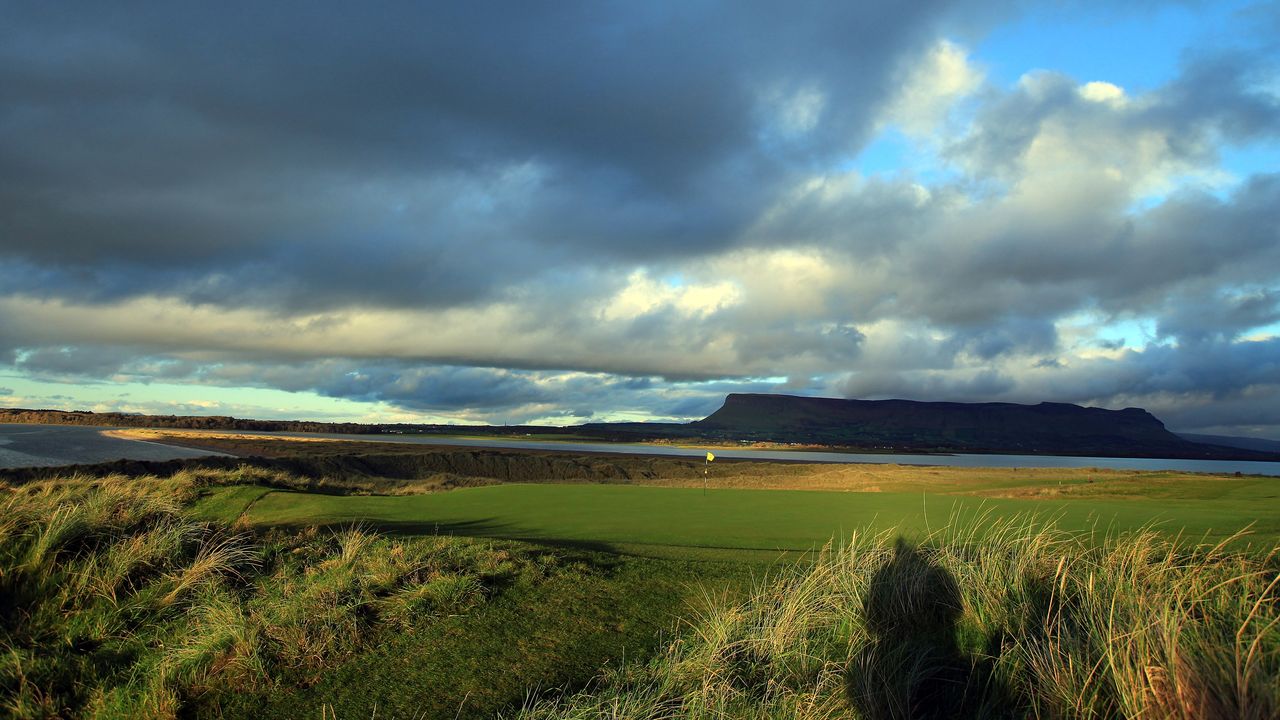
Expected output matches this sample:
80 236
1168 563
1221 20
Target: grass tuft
1014 621
119 603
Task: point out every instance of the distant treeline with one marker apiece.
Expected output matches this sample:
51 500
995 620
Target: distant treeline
223 422
186 422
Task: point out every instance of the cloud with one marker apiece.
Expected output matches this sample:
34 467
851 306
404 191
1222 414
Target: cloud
982 385
931 90
1224 314
521 214
417 156
1214 385
468 394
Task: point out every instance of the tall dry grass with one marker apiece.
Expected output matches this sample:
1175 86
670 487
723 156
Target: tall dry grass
989 619
116 603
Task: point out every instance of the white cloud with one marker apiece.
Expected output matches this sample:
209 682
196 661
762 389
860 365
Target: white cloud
931 89
644 295
664 219
1102 92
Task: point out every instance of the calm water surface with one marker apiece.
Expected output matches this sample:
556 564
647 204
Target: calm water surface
54 445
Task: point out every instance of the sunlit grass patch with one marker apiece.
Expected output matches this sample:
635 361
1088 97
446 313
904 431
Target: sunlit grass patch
1023 622
118 603
123 597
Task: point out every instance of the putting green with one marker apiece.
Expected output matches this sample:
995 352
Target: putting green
741 519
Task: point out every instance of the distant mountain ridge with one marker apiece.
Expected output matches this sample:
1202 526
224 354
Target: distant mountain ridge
860 425
1046 428
1249 443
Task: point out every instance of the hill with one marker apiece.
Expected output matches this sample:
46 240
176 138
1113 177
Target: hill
1046 428
865 425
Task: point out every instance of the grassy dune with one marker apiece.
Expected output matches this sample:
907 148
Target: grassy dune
119 601
254 591
1016 622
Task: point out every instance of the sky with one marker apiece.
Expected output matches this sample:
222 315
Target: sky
593 211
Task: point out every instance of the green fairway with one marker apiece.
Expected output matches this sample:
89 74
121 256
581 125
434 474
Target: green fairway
228 503
606 516
247 592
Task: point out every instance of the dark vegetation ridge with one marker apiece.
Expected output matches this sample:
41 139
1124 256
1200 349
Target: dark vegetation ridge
440 469
225 423
1048 428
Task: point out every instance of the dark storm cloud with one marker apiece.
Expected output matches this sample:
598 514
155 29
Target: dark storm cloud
778 342
1222 316
76 361
1009 334
447 389
1228 93
304 157
97 363
982 386
695 407
490 394
316 154
1253 414
1195 235
1220 369
413 195
1213 384
471 393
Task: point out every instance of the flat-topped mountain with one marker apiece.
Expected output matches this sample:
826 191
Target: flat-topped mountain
861 425
1047 428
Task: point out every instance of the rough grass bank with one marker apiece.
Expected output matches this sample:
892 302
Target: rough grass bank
1020 623
194 595
116 602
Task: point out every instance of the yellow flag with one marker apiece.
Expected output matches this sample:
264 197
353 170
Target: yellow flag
710 457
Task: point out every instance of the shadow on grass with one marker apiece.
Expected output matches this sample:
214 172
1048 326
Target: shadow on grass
913 666
481 528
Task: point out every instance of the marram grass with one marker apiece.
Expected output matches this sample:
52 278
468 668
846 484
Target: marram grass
115 603
1025 622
